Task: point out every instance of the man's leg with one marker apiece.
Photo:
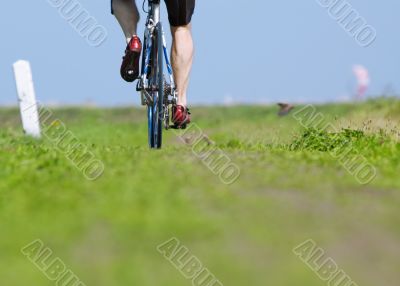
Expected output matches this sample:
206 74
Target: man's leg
127 15
180 14
182 59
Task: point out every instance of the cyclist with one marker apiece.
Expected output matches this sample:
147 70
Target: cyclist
180 13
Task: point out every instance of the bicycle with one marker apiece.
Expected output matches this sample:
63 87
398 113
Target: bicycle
156 93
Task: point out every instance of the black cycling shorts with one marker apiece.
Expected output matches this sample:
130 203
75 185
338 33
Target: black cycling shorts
180 12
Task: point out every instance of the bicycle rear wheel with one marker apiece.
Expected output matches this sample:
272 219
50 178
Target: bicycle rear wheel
155 111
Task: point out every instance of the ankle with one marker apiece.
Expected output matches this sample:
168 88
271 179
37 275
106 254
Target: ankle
182 103
129 38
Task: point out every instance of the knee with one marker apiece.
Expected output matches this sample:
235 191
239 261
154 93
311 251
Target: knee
178 31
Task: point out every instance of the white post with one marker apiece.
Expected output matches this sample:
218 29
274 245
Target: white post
26 97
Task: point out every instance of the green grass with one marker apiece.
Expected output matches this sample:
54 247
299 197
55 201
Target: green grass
291 188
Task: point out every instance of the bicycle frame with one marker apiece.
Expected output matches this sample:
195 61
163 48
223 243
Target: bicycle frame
153 18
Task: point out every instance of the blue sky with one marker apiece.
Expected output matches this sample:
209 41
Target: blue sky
246 51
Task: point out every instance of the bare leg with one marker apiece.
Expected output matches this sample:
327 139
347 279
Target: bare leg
127 15
181 59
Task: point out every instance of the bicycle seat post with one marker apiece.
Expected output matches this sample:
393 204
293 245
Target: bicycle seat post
155 10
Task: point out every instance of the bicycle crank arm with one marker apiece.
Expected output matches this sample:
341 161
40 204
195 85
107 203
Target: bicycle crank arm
148 98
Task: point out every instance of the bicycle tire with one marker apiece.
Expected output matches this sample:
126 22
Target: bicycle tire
156 109
150 111
160 85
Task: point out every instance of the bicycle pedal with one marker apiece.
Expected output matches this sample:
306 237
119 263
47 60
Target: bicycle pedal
142 99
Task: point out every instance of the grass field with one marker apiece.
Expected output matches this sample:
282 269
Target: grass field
290 189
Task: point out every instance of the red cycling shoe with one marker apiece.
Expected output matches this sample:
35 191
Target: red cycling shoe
180 116
130 62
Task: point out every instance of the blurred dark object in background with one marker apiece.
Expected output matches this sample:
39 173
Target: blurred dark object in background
285 109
